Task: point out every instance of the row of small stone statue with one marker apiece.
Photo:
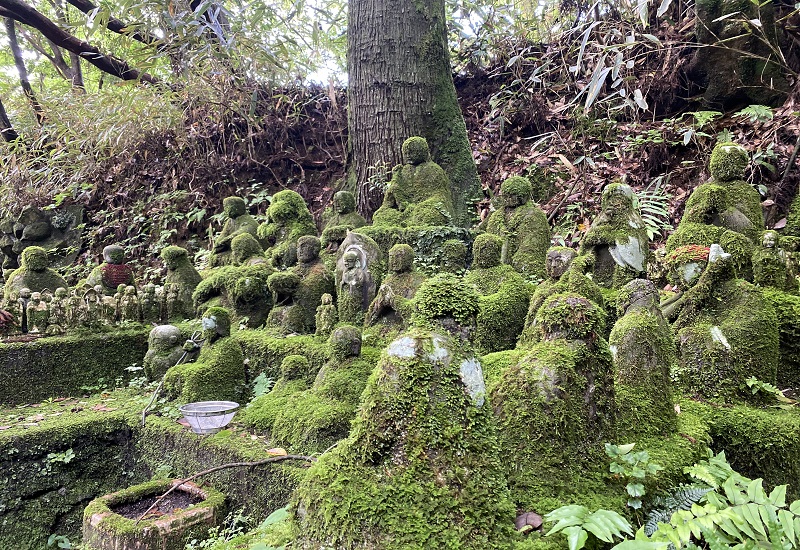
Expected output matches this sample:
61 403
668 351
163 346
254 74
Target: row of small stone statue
89 307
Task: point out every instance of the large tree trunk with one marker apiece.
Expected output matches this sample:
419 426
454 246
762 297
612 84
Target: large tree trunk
401 85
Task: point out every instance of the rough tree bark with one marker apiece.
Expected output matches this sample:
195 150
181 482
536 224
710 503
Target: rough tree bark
24 81
400 84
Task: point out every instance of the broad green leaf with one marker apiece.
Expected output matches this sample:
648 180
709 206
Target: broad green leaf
576 537
641 545
599 527
755 492
786 519
751 514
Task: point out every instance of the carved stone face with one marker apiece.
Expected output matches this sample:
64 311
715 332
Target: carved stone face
558 261
770 239
617 200
233 207
209 323
36 297
130 291
415 150
307 249
344 202
401 258
35 258
350 260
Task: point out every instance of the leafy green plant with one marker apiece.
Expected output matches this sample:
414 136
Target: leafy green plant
262 384
578 524
633 468
756 113
759 386
654 205
58 541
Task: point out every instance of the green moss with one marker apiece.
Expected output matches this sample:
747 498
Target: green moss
313 280
242 289
217 375
770 267
526 237
265 351
288 220
418 433
518 187
689 233
728 161
244 248
787 309
62 365
741 250
239 222
33 274
493 364
446 296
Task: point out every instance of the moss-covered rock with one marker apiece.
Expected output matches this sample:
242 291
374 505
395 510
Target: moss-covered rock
523 227
617 238
787 309
288 219
33 274
555 407
504 296
238 222
419 191
643 348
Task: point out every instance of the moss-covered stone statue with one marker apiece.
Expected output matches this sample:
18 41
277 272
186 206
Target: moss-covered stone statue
726 332
555 407
523 227
288 219
164 349
298 291
724 203
420 467
566 272
419 191
113 271
315 419
182 274
241 287
393 304
644 353
617 238
504 296
771 264
326 316
296 376
359 269
33 274
218 374
339 219
238 222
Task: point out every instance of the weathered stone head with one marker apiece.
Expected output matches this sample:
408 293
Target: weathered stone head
174 257
61 292
36 297
344 202
129 290
164 338
446 300
728 162
345 342
617 200
114 254
286 206
243 247
351 259
401 258
149 289
25 293
516 191
558 260
570 316
486 250
308 248
35 258
770 239
327 299
415 150
216 323
686 264
637 294
234 207
453 256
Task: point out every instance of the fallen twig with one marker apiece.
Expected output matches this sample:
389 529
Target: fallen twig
225 467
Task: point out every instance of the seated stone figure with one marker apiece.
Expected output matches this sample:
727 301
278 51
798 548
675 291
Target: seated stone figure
112 272
344 212
296 376
316 418
151 307
617 238
298 291
523 227
288 220
725 203
239 222
393 304
504 296
37 314
566 272
424 429
33 274
643 347
241 288
326 316
726 332
164 349
218 374
555 406
419 191
58 322
185 278
355 287
771 264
